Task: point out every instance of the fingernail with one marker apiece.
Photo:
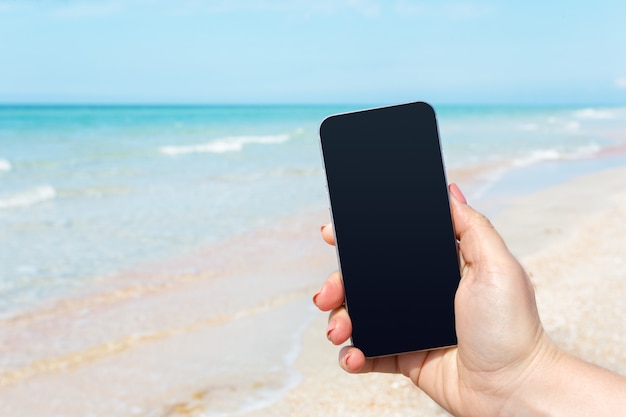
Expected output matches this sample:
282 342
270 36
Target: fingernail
331 326
345 361
455 191
315 297
318 293
322 227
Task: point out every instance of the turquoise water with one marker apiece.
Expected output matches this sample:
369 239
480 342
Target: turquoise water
91 191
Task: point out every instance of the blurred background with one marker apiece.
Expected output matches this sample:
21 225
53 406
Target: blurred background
161 187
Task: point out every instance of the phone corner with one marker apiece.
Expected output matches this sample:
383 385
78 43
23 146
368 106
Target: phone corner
428 107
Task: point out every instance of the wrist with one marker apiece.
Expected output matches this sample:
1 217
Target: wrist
557 384
539 383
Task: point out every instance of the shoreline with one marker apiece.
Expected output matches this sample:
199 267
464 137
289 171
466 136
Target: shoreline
221 339
493 197
153 342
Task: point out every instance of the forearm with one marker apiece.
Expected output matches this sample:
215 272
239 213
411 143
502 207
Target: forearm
569 387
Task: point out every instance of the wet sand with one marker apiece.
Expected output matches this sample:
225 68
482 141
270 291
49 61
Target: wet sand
219 338
235 332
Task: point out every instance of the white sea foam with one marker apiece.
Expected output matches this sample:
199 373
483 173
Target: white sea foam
584 151
5 166
227 144
28 198
563 125
267 396
542 155
594 114
536 156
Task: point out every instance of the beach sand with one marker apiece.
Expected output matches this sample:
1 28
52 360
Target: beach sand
152 343
570 238
238 335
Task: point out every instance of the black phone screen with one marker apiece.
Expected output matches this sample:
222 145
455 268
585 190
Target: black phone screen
391 216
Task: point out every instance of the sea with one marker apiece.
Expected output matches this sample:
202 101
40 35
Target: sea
89 192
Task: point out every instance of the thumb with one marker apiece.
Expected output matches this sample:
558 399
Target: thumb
478 239
497 320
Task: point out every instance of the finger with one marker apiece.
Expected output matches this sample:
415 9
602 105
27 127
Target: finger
331 295
328 234
339 326
457 193
477 236
352 360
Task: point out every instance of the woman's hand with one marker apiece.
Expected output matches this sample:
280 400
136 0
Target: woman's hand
501 342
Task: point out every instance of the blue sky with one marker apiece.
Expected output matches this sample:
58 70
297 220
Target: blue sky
318 51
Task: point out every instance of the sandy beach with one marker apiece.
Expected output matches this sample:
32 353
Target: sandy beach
246 341
571 240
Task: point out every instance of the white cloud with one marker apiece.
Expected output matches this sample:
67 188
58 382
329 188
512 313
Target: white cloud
620 82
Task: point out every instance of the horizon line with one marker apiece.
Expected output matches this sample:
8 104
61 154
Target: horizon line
296 104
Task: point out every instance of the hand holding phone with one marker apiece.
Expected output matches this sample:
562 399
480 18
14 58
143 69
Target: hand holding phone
393 230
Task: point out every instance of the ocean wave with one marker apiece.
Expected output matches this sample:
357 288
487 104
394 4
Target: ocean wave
492 176
537 156
542 155
227 144
594 114
5 166
28 198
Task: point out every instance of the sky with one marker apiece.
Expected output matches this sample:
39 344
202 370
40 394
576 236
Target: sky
316 51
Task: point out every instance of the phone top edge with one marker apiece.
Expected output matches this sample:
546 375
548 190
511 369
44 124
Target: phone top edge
367 109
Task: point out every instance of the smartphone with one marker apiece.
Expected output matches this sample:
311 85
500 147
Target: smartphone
393 229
